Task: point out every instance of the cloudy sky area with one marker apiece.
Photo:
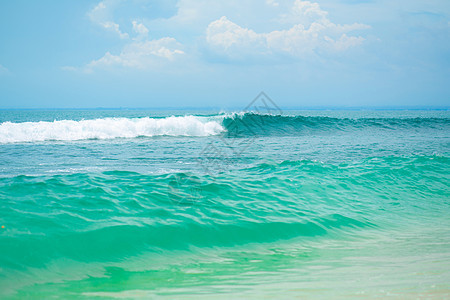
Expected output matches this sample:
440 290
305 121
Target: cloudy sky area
208 53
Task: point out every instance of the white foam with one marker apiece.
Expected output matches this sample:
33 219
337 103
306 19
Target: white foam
109 128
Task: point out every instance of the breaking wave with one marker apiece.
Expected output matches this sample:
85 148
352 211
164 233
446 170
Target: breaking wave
108 128
231 125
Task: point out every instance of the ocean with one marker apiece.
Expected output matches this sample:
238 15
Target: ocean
252 204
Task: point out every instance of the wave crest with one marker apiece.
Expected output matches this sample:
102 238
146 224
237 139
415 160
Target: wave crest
108 128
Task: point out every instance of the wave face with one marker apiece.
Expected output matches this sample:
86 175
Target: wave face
248 124
108 128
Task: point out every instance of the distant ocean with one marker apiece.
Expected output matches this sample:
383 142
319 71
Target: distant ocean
98 204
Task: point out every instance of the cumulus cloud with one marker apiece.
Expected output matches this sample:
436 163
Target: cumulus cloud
305 12
228 36
139 54
101 14
312 32
306 31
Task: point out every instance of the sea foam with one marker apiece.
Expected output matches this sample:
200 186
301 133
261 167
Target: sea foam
108 128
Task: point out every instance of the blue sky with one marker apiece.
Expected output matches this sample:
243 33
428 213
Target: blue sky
208 53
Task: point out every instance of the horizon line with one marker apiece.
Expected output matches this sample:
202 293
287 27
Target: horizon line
381 107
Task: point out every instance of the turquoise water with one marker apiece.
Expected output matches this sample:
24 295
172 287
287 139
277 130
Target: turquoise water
200 204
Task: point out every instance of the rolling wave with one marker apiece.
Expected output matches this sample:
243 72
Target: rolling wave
248 124
108 128
231 125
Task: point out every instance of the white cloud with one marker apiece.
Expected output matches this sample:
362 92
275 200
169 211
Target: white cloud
345 42
139 55
312 31
140 29
306 31
227 35
101 14
306 12
115 28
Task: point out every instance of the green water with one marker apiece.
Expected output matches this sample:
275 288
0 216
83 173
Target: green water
314 207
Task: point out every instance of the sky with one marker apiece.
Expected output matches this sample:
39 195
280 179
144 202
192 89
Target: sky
221 54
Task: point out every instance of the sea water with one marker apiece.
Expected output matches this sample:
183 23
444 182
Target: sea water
130 204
